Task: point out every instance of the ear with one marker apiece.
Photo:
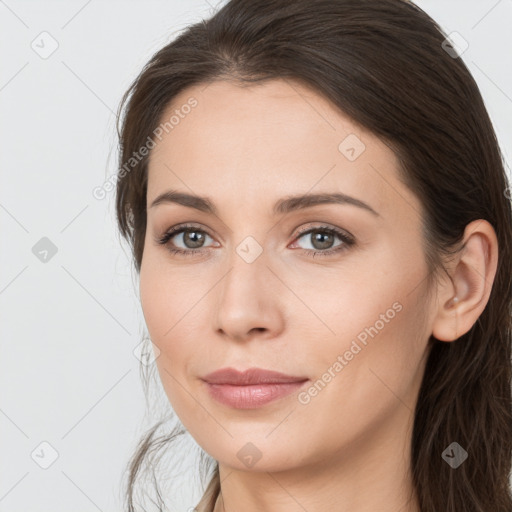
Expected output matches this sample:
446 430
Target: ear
463 299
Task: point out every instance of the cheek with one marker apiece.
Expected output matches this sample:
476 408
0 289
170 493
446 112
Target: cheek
174 306
374 318
358 297
166 295
163 307
153 296
369 372
164 312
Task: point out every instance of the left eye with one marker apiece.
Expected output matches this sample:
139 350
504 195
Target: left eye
322 239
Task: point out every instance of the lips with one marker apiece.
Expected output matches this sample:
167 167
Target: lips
250 376
251 388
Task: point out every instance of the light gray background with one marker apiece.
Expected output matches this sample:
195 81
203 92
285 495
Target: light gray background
69 326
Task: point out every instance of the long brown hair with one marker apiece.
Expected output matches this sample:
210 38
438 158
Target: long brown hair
385 64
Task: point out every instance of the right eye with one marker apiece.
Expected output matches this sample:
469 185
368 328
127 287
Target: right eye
192 239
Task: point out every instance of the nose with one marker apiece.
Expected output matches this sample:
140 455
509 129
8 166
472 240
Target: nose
248 301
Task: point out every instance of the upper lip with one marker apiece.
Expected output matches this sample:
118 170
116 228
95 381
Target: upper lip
249 376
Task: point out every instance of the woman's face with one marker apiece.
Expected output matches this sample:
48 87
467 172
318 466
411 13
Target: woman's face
353 319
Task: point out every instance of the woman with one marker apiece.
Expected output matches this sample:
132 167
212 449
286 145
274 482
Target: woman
318 210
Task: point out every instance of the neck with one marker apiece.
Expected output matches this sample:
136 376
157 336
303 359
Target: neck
372 473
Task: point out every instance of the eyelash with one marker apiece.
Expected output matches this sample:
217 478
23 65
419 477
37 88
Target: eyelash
347 239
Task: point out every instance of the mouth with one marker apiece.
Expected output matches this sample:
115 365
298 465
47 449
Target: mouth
251 388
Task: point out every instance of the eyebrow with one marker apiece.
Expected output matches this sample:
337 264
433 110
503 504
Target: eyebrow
282 206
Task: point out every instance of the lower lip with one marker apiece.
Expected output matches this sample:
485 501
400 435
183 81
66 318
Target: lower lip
253 396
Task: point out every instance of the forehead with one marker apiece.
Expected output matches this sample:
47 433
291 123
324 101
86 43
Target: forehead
265 141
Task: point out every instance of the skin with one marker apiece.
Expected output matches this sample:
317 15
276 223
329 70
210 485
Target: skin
245 148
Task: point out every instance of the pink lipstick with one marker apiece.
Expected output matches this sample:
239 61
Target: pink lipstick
251 388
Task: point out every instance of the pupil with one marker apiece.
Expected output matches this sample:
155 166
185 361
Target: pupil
324 239
191 235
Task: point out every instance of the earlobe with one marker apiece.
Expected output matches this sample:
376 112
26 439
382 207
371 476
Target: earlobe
464 297
446 324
